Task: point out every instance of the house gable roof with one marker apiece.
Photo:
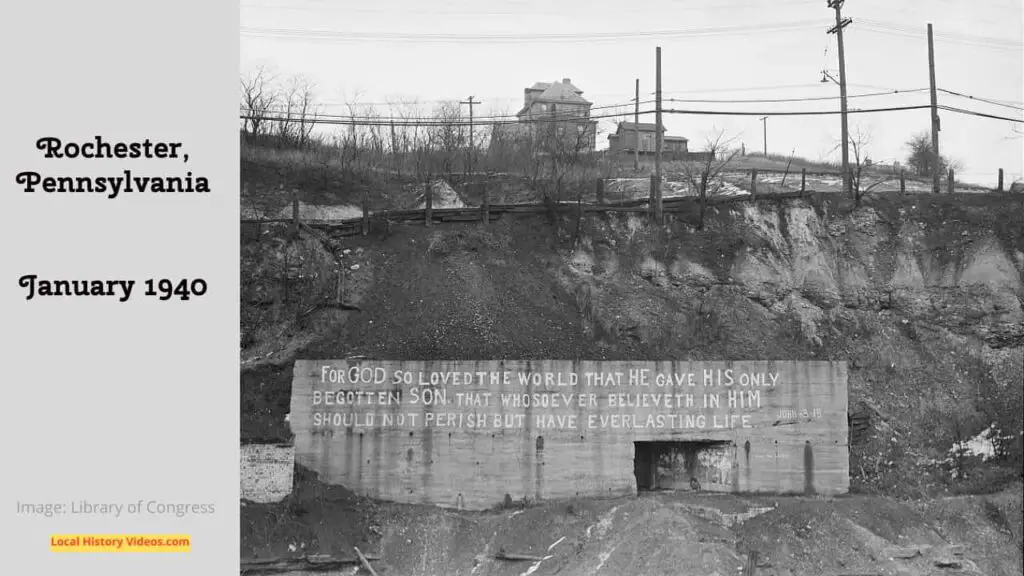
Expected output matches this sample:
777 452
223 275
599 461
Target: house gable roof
648 127
642 126
562 92
554 92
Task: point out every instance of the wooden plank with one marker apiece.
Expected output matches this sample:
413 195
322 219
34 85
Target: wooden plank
312 563
366 214
428 212
365 562
518 557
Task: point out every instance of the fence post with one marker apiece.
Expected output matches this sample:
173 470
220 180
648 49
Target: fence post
903 182
600 190
366 214
753 183
650 200
803 182
1000 179
486 205
949 181
428 211
295 213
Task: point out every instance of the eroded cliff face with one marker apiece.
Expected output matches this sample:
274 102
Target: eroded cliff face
792 258
962 278
922 297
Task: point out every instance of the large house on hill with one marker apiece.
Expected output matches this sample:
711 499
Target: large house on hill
625 140
553 109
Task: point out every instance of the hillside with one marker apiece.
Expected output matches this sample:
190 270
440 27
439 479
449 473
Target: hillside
921 294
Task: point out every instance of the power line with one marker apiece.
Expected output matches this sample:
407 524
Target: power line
700 8
508 120
956 36
330 35
979 99
806 99
797 113
743 89
512 119
436 122
357 118
556 119
981 114
967 40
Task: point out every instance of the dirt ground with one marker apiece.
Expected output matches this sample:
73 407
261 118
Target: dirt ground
661 533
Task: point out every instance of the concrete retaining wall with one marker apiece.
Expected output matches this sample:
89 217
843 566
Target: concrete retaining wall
425 431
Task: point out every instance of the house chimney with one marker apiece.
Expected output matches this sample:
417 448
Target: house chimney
566 81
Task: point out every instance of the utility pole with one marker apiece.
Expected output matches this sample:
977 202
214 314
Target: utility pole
841 23
469 154
936 158
636 128
657 138
764 121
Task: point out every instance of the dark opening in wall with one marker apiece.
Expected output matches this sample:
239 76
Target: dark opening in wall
696 465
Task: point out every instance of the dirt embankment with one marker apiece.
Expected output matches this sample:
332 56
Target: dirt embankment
921 295
658 534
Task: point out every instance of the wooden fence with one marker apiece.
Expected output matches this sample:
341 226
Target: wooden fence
487 212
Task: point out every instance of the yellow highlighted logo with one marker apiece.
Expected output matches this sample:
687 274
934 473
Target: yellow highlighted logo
120 543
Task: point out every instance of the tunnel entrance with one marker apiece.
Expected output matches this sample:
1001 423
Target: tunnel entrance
696 465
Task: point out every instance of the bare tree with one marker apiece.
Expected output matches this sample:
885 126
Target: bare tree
300 112
704 176
446 134
861 176
258 100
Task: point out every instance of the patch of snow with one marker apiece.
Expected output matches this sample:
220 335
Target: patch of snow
729 189
982 445
322 212
443 196
829 181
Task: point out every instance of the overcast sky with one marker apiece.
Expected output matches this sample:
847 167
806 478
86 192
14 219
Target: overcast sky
724 50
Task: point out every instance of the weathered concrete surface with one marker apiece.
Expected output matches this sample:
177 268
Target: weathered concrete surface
427 444
267 472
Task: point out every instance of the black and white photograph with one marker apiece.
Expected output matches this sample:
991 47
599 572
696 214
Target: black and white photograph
664 287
